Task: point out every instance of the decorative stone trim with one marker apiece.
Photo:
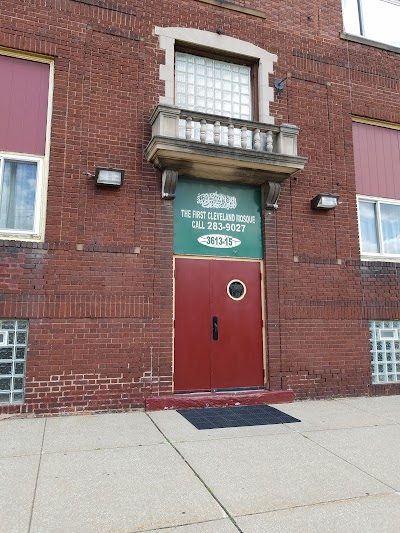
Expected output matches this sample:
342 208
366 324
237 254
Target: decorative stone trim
220 43
168 186
110 6
43 247
235 7
369 42
272 190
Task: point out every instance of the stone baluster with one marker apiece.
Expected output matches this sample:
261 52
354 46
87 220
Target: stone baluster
231 135
217 132
270 145
203 130
189 128
257 140
243 137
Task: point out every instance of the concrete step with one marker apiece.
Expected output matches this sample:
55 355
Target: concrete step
218 399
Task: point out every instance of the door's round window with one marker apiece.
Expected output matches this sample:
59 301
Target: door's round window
236 289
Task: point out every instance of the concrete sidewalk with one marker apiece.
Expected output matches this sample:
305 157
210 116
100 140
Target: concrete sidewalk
338 470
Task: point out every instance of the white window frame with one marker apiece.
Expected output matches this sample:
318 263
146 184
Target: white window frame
35 232
38 234
376 255
358 6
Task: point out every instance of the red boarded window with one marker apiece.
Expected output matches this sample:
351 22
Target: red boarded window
377 160
24 91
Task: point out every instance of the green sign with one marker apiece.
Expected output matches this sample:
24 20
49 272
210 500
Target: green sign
217 219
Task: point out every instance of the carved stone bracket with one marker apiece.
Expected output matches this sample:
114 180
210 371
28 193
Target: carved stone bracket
168 184
272 190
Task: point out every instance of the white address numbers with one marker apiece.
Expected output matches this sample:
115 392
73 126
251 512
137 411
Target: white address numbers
219 241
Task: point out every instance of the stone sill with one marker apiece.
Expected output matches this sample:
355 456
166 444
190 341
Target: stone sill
369 42
235 7
380 259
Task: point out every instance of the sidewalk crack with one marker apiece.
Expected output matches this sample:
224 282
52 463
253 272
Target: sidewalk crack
37 476
348 461
198 476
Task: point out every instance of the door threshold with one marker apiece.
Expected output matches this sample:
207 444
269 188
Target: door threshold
237 391
218 399
220 391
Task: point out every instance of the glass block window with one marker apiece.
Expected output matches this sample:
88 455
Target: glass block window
13 348
213 86
385 351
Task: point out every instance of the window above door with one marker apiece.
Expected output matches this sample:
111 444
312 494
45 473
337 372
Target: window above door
213 86
221 50
213 120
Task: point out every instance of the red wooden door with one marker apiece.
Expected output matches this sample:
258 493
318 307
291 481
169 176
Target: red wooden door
236 357
192 325
218 338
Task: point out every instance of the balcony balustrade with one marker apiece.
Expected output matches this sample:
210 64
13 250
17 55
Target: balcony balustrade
199 145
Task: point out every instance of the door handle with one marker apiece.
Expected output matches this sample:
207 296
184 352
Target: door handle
215 328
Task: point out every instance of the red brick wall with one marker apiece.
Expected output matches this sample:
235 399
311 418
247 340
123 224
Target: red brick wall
98 292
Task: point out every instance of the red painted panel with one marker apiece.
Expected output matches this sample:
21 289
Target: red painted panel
377 160
236 358
192 325
24 91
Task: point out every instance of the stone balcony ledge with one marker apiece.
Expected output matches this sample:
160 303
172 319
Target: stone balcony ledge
200 145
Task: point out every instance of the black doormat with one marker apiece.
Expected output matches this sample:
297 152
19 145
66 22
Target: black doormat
234 417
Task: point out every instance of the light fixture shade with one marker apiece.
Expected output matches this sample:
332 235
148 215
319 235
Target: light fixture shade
325 201
109 176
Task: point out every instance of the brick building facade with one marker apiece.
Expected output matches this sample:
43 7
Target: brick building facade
87 287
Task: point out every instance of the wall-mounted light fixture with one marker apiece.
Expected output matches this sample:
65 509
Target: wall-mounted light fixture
325 201
109 176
